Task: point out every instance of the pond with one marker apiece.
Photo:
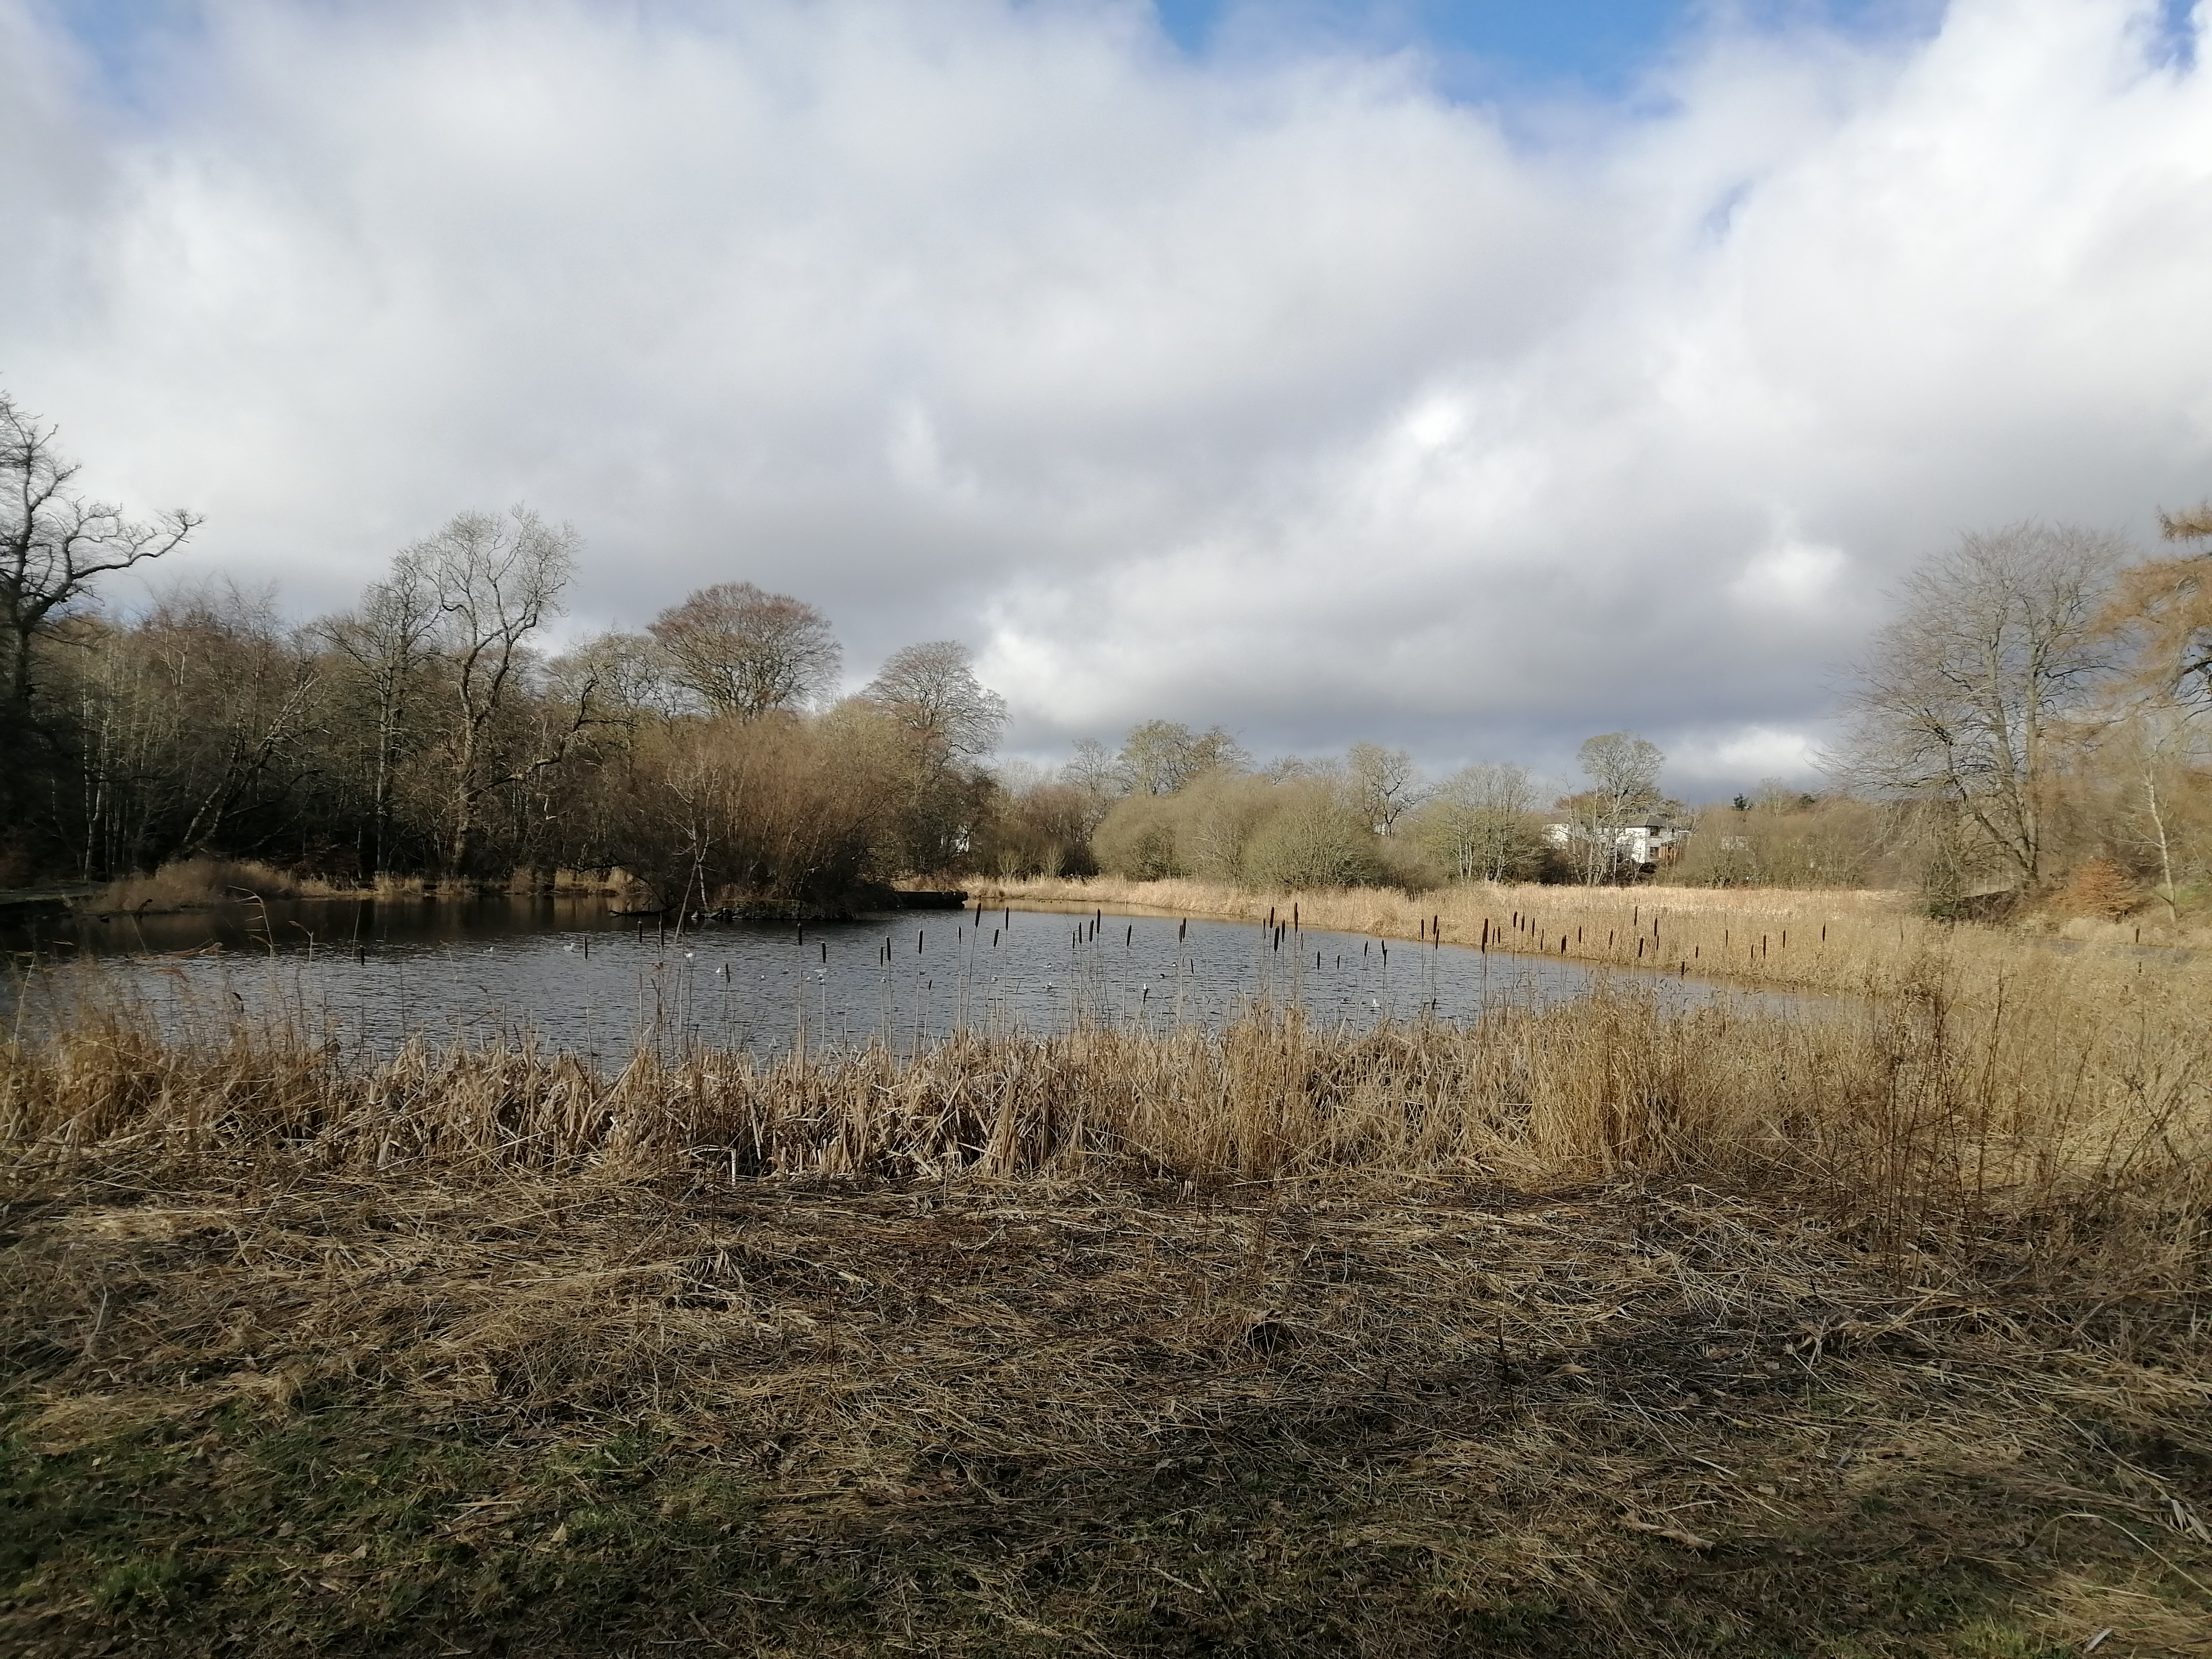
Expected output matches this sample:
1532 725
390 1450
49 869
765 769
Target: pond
574 975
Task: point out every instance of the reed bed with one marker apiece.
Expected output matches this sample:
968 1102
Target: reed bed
2055 1081
1816 940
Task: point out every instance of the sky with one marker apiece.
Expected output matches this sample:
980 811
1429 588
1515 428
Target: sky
1472 378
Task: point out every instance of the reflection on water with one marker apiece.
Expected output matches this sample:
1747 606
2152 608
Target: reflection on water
576 977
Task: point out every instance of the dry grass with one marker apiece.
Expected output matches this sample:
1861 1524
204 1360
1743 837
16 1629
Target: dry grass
2059 1076
188 883
193 884
1879 1329
1808 939
265 1413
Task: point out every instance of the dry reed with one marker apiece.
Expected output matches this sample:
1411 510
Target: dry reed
2055 1078
1819 940
1875 1327
188 882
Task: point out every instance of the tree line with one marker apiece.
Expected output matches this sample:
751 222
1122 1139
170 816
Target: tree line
2034 711
429 729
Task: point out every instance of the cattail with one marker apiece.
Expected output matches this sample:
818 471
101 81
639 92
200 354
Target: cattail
825 955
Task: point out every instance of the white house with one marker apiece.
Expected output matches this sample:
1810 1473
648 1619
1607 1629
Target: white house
1647 842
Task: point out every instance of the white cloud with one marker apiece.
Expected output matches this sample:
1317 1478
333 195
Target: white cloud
1748 753
1278 389
1791 580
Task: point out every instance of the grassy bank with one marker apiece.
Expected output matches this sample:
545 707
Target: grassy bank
1876 1329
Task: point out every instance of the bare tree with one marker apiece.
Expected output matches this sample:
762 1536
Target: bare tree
931 691
227 660
1160 757
2157 753
387 644
496 580
54 544
1477 822
748 653
1624 773
1094 773
1963 694
1384 784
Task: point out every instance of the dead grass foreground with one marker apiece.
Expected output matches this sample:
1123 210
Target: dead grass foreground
1879 1328
315 1411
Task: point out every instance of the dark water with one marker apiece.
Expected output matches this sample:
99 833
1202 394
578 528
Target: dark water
576 977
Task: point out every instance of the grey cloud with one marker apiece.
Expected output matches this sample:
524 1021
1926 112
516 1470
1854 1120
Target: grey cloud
1285 392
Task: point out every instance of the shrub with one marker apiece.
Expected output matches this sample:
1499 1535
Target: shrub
1136 840
2097 889
1315 842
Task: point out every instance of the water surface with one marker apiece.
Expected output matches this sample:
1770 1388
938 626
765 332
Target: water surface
575 975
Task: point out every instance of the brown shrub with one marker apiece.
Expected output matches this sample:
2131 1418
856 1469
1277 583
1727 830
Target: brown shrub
2099 890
